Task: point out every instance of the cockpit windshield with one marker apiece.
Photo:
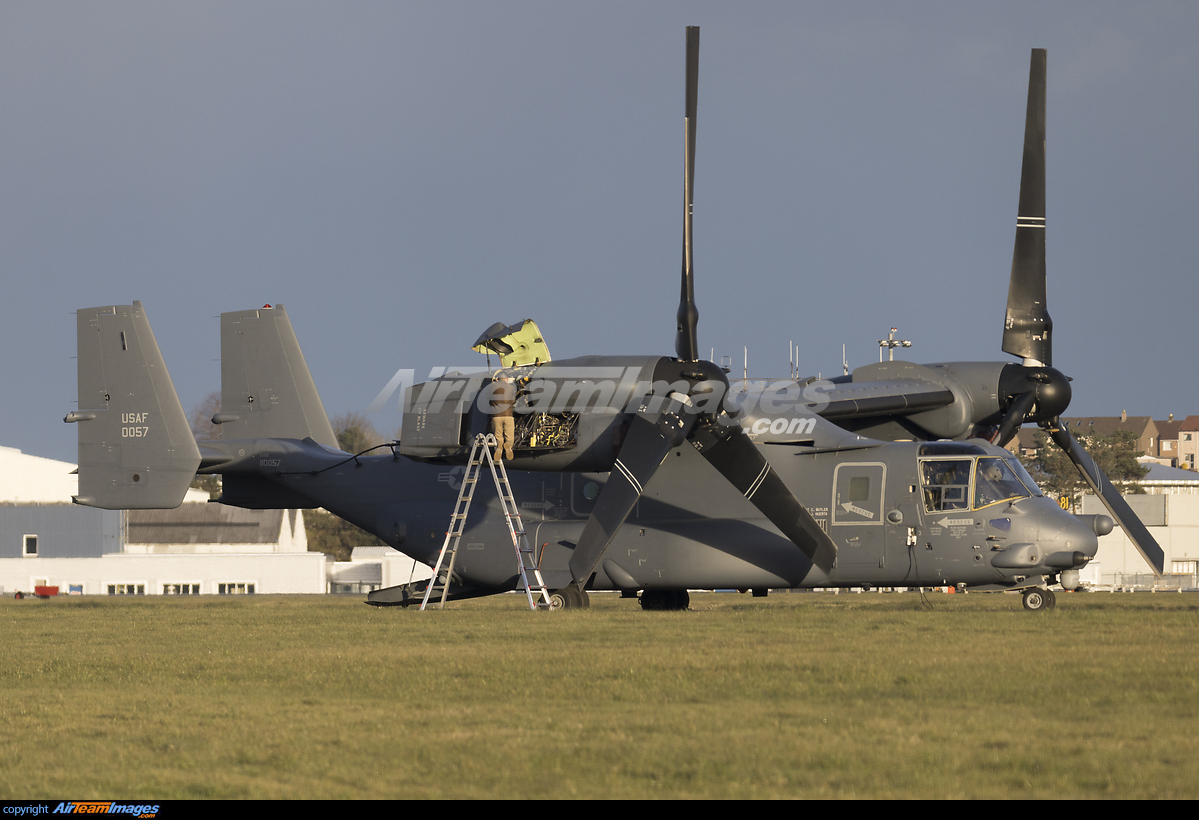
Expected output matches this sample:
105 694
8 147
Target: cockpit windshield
994 481
951 484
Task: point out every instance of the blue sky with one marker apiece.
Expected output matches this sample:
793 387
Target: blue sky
402 175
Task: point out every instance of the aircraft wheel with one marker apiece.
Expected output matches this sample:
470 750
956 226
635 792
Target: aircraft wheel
653 599
569 597
665 599
1050 599
1037 599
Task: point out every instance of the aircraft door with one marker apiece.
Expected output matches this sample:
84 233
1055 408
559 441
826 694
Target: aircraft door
904 524
856 518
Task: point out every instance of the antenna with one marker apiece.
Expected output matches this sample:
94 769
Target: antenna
891 343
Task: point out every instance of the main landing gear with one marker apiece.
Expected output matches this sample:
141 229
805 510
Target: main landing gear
1036 599
665 599
569 597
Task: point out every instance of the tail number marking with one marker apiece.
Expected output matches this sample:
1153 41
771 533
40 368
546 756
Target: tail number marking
133 422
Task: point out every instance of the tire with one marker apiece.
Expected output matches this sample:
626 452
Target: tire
569 597
1036 600
665 600
653 600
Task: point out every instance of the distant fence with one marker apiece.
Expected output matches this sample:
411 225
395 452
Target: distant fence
1129 581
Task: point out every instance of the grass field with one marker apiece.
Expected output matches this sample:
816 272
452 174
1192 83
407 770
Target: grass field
803 695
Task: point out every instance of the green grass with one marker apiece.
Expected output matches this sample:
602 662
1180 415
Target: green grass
806 695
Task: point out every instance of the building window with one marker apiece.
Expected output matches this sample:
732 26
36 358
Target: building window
1184 567
126 589
30 548
180 589
235 589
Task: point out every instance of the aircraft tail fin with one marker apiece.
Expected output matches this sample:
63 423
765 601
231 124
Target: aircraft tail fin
136 449
266 389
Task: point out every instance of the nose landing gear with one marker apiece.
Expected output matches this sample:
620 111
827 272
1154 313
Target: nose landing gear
1036 599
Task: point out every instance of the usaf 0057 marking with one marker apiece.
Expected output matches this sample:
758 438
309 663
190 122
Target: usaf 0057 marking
657 480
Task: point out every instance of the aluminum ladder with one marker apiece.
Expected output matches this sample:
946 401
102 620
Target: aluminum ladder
526 561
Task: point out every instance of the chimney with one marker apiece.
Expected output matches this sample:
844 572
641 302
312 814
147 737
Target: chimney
1123 415
1171 417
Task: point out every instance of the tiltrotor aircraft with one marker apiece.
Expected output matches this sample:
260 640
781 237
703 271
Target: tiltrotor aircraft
644 474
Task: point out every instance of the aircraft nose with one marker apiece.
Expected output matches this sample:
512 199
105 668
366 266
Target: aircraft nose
1072 545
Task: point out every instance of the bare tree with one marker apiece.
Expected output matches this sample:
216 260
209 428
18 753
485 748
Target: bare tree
355 433
201 417
203 429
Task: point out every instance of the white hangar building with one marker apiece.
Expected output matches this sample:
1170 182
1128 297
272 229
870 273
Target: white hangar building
196 549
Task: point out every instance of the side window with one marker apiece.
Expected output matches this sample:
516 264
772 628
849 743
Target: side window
946 484
859 488
858 493
29 549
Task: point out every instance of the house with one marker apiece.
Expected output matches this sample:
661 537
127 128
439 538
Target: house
1188 443
1167 441
1143 428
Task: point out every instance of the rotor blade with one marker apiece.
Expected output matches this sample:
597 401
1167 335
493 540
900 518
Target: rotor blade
686 341
1115 503
1014 418
648 442
1027 327
740 462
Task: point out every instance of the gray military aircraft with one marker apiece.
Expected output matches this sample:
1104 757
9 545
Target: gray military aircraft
641 474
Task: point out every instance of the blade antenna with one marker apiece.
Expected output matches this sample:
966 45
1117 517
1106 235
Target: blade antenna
686 343
1027 327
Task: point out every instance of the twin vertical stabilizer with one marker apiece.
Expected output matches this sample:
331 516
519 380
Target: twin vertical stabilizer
136 447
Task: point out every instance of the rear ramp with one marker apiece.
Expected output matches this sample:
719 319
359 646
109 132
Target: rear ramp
136 449
266 389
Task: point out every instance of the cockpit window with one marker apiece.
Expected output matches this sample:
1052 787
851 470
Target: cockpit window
994 481
946 484
1023 475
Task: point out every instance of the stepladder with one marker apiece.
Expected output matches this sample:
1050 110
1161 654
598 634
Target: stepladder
530 580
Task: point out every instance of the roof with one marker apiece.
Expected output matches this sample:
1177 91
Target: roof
1161 474
1189 424
1106 425
204 524
1168 430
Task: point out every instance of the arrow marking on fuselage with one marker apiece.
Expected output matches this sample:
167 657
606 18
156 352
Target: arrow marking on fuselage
849 506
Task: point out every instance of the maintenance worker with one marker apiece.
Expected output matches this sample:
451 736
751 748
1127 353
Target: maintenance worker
503 423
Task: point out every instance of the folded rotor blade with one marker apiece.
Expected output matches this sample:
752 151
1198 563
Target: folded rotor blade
1115 503
737 459
1027 326
649 440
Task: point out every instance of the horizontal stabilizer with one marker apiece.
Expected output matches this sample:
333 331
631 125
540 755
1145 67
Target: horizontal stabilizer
136 449
266 389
